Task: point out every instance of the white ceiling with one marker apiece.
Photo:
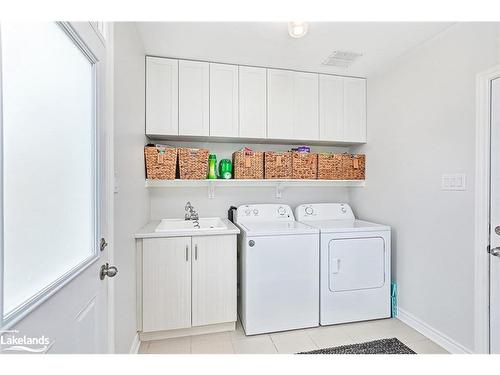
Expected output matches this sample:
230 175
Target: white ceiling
268 43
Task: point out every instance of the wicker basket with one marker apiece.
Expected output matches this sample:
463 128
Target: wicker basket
304 165
330 166
160 162
193 163
277 165
353 166
248 165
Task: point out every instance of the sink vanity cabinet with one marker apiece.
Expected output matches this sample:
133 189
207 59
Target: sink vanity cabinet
186 285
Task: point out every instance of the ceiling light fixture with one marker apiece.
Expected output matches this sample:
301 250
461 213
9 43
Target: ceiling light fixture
297 29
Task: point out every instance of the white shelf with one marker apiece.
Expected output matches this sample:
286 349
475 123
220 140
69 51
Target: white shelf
279 185
253 183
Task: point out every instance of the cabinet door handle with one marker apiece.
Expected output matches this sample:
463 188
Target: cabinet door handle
187 249
195 252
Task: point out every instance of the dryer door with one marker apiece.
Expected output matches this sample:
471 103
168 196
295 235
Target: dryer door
356 263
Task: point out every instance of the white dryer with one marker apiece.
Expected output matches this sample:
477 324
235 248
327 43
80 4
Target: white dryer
278 270
355 270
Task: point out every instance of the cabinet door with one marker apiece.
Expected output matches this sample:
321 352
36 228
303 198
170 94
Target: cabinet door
166 283
280 107
252 98
162 96
355 109
331 108
223 100
305 121
214 280
193 98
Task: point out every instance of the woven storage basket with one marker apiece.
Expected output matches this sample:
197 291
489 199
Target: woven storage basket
160 162
304 165
277 164
330 166
193 163
353 166
248 165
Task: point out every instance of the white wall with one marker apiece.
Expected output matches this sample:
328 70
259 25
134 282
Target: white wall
169 202
421 121
131 209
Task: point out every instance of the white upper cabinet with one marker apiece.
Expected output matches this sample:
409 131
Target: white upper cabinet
201 99
354 110
292 111
280 110
305 124
193 98
162 96
223 100
331 108
252 100
342 108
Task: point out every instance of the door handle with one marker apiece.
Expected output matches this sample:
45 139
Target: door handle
497 230
187 256
195 252
495 252
107 270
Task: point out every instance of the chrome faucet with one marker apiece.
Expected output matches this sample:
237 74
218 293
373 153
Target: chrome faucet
191 214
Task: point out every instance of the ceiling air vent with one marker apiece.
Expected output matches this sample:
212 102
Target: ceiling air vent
342 58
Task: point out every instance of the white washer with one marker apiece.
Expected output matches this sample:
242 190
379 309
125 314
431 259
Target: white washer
355 270
278 270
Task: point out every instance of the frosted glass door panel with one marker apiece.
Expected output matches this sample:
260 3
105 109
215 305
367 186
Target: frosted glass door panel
49 156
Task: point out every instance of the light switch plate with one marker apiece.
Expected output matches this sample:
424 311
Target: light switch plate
453 182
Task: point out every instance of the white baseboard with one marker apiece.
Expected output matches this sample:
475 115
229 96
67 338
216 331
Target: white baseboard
136 343
432 333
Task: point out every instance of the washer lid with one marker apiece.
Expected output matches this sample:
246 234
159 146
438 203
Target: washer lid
273 228
342 226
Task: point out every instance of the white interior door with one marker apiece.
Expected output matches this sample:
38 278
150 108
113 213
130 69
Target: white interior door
495 220
55 181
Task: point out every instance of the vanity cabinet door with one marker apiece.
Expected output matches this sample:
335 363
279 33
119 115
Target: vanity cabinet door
214 280
166 278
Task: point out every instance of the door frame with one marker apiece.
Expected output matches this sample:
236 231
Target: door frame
482 210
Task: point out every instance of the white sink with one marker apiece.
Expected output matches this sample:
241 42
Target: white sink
176 225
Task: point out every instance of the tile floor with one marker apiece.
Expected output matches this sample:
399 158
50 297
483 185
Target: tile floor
294 341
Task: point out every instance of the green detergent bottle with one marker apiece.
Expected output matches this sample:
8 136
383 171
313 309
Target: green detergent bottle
212 166
225 169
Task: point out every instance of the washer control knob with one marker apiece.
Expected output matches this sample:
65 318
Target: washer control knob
251 243
247 212
281 210
309 210
343 210
255 212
